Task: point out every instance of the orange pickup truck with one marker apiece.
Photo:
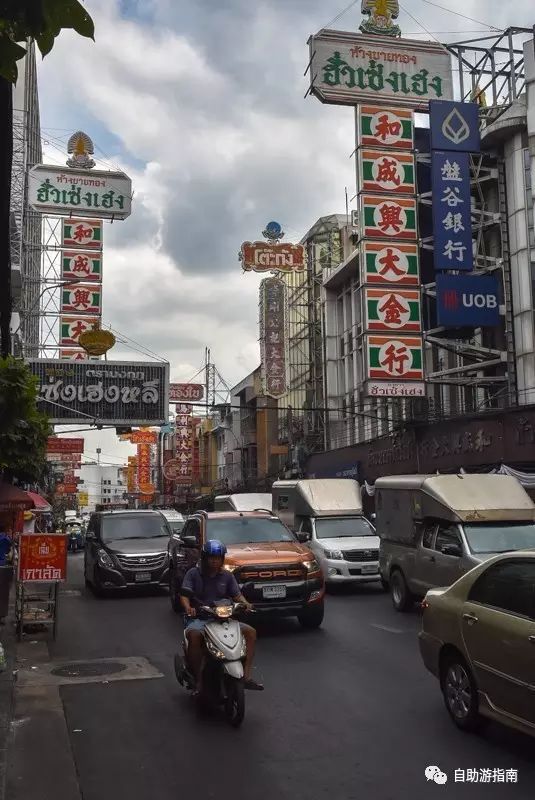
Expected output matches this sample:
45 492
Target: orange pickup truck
276 573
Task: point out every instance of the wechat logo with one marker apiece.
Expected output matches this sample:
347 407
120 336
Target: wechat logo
435 774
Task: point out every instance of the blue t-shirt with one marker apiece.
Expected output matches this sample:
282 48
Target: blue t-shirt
208 589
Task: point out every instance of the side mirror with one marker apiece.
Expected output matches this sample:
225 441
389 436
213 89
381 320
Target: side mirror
189 541
452 550
90 535
303 536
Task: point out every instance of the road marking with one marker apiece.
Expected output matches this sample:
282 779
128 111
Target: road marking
386 628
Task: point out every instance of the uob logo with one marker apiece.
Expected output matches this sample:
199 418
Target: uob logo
479 300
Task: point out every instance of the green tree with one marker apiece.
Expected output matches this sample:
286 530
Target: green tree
22 21
23 429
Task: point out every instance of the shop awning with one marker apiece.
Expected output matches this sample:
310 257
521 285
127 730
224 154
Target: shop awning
39 503
13 499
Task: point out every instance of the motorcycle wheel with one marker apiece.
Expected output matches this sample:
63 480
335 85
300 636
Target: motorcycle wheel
235 702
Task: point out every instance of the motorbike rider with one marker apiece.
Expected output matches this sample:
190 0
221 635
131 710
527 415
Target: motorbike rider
206 584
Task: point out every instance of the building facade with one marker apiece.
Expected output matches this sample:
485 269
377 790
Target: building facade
105 485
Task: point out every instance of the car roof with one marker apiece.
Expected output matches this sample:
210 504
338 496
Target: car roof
114 511
235 514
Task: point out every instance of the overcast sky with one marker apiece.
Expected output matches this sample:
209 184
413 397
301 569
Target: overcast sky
201 103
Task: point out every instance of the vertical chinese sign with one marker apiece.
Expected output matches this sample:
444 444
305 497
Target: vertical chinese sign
183 461
389 255
81 300
145 441
273 339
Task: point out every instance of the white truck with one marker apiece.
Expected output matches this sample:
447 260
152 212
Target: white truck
243 501
326 513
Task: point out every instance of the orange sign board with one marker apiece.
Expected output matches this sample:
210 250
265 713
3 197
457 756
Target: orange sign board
143 437
42 557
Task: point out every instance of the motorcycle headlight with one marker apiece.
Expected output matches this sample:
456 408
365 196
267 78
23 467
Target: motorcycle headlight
337 554
105 559
223 612
213 649
312 566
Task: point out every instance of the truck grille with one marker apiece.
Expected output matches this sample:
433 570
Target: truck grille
361 555
270 572
141 563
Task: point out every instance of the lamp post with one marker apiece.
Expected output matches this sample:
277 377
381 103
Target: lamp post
27 312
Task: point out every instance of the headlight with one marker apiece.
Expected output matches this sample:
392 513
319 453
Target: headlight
312 566
105 559
230 567
334 554
213 650
223 612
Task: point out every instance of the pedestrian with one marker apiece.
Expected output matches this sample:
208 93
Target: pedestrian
5 546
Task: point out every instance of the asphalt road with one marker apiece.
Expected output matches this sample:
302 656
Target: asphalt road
348 712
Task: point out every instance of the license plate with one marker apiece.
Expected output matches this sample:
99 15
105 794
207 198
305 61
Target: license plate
369 569
142 577
271 592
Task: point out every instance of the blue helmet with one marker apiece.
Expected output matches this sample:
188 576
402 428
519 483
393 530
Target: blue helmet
213 547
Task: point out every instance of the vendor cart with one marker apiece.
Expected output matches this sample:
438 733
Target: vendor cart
41 568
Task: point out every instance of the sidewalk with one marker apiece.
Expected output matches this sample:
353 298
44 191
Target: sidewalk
7 694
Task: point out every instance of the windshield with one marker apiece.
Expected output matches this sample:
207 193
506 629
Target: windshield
249 530
343 527
500 537
133 526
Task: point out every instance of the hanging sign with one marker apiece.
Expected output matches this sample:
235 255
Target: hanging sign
388 309
72 327
80 265
385 171
83 233
398 357
452 221
273 342
378 126
81 298
267 257
347 68
99 193
388 217
390 263
181 392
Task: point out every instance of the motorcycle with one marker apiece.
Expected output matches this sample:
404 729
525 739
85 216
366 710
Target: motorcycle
222 672
76 538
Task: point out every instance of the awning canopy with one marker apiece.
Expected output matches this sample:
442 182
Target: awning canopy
40 504
13 499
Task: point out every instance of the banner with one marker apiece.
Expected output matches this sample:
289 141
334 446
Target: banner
468 300
392 310
81 265
452 222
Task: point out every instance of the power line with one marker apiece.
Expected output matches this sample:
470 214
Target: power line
464 16
340 15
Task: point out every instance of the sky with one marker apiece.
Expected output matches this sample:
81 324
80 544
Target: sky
202 103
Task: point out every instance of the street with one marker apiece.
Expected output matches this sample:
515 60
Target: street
348 712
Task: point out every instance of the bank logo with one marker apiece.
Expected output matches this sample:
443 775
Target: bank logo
455 127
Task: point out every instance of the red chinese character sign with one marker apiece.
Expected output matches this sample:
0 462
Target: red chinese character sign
82 298
72 327
145 485
42 557
273 341
395 359
82 233
378 126
388 309
381 171
385 217
392 264
81 266
182 466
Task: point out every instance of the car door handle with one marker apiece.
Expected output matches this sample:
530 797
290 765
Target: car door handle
470 618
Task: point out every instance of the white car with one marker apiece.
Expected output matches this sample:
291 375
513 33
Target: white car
347 549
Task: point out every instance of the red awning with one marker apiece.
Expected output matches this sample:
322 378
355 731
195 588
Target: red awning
13 499
40 504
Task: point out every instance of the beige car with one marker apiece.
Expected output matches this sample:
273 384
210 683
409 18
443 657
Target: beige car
478 639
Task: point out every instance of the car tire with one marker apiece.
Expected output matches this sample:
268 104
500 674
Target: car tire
460 693
402 599
312 617
173 592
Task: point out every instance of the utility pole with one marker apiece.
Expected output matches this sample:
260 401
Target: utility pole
6 159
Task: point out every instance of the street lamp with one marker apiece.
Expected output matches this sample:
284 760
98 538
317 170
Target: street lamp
23 313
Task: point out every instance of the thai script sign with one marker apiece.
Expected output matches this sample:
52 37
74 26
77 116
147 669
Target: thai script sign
87 266
471 300
387 309
454 126
386 172
273 341
113 392
56 190
390 358
181 392
42 557
388 217
85 233
452 223
393 389
82 298
72 327
267 257
348 68
378 126
390 263
55 444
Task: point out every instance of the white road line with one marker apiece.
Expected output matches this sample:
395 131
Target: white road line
389 630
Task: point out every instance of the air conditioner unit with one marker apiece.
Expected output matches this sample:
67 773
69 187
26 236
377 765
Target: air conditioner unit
355 219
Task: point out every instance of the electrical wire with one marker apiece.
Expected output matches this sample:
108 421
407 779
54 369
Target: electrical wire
464 16
417 21
340 15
